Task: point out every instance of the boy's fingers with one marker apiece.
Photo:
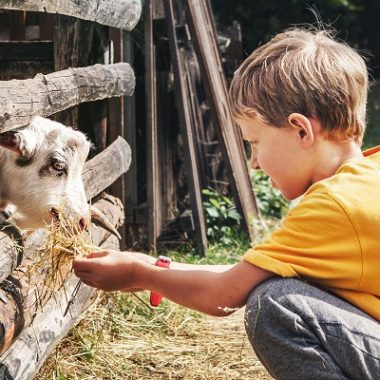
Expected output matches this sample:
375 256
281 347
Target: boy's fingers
93 255
83 275
83 263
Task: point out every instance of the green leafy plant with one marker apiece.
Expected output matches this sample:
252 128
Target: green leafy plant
270 201
223 220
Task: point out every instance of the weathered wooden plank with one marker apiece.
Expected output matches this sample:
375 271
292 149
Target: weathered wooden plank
42 333
116 117
202 31
130 134
154 198
122 14
101 171
183 106
97 176
45 95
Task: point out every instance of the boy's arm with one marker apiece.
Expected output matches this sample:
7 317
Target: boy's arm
184 266
212 292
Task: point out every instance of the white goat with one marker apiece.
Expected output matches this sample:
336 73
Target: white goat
41 173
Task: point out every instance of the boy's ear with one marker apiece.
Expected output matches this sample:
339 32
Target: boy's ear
304 128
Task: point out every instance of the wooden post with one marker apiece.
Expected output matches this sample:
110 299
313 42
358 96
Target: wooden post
154 198
185 123
203 33
115 115
131 191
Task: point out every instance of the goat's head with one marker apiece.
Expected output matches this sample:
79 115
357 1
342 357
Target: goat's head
41 173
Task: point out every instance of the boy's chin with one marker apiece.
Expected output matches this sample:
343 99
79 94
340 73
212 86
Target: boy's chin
288 194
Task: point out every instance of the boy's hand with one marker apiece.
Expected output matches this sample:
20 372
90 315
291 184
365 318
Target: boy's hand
108 270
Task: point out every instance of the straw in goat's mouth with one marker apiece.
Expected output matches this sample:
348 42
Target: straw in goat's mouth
62 243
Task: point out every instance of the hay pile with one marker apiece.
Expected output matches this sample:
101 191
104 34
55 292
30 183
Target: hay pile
121 338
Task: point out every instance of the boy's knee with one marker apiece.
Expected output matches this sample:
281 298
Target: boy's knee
267 305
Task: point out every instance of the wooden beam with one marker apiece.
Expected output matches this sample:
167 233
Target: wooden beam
130 134
154 198
123 14
115 115
96 177
183 107
202 30
45 95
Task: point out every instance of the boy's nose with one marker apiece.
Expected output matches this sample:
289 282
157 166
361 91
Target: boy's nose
254 164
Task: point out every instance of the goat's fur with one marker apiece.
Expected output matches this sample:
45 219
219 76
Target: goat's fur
41 171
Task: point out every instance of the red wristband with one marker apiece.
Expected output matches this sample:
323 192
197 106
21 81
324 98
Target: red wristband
163 262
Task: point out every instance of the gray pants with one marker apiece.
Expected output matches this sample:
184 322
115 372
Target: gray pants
299 331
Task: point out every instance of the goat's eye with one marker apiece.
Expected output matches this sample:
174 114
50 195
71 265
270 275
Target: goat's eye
59 166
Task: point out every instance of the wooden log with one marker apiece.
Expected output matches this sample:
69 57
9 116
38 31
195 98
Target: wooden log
42 331
96 177
122 14
45 95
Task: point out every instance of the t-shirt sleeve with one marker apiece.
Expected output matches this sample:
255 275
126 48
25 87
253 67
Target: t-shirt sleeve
316 240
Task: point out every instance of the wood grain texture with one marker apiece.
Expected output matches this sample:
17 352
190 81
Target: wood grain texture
45 95
203 33
122 14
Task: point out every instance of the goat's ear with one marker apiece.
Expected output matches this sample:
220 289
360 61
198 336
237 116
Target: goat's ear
18 143
11 141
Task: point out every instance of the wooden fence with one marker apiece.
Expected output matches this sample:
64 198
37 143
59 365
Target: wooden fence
31 325
68 60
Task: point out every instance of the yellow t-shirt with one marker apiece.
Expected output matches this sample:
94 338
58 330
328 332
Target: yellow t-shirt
333 236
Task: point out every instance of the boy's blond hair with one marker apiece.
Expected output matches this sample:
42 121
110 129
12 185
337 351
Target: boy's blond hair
305 71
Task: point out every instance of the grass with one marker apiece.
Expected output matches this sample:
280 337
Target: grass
121 337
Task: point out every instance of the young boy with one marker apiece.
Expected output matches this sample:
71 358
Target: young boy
311 289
